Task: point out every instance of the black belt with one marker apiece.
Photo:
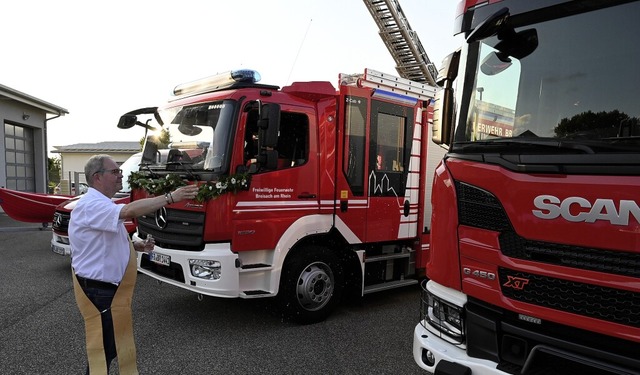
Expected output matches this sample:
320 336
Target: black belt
88 283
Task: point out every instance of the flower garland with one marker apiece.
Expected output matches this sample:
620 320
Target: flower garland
155 186
226 184
206 191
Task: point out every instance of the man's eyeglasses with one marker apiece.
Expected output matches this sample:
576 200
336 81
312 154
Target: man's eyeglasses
115 171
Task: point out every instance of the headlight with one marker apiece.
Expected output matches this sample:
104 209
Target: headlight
62 240
205 269
443 316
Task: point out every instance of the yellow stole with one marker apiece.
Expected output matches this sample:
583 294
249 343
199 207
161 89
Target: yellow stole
122 323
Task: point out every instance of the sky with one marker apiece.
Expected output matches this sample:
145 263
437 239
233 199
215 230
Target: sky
99 60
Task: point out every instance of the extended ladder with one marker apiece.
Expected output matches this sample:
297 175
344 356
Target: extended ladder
402 42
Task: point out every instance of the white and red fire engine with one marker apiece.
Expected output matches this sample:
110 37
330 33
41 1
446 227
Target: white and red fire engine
535 249
307 193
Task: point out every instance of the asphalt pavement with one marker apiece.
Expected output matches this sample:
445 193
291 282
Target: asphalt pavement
42 332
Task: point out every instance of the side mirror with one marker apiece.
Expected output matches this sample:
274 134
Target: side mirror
494 63
268 159
518 45
443 116
443 111
269 125
127 121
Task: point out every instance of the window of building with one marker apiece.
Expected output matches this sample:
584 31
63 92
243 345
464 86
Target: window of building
19 154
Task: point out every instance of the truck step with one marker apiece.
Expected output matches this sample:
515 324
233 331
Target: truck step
255 293
257 267
382 257
388 285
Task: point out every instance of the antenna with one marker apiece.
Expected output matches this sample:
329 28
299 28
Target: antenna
299 49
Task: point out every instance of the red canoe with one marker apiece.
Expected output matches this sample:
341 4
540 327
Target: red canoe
30 207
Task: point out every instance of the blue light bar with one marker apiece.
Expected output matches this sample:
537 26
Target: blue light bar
218 81
388 95
245 75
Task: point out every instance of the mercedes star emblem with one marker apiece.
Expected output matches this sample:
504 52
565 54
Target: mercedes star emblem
161 218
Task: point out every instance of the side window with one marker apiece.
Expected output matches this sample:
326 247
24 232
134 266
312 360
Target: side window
293 140
389 152
251 147
354 143
390 142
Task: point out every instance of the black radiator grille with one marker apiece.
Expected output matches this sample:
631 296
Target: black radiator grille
481 209
607 261
613 305
61 221
184 230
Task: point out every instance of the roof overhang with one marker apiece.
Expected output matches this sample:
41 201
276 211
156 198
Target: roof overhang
21 97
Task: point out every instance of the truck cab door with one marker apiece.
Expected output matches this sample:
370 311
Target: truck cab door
393 170
378 196
281 190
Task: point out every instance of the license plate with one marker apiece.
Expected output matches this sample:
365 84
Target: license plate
57 249
165 260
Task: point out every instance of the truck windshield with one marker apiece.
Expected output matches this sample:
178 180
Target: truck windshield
200 134
572 80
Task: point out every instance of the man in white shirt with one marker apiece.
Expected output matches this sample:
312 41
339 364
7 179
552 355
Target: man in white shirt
101 259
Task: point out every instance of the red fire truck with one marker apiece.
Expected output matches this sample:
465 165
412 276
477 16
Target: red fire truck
534 265
307 193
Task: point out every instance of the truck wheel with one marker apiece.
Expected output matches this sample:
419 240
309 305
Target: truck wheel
311 285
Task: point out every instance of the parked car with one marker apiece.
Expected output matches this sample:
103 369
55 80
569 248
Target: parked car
83 189
60 226
60 240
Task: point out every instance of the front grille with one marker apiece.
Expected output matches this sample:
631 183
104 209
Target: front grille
607 261
61 221
481 209
613 305
184 230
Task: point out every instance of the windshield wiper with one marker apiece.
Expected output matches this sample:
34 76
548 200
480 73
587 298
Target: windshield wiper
537 145
185 165
523 144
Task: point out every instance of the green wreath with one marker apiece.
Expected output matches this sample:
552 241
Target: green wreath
206 191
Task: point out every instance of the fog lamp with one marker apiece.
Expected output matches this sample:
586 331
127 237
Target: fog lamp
428 358
205 269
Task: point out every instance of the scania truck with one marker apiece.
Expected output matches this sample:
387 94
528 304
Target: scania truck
534 264
308 193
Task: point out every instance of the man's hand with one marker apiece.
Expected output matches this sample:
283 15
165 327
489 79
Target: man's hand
145 246
184 193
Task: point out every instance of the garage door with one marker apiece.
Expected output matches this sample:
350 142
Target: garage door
19 153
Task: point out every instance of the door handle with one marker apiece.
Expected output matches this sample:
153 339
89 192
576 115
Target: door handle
306 196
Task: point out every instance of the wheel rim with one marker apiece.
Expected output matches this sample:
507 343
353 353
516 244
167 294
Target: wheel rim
315 286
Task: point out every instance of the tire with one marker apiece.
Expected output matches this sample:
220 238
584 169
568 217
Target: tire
310 285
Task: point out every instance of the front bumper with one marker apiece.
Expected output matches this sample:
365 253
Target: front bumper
448 359
60 245
178 273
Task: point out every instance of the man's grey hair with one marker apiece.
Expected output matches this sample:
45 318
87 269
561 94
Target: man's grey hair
93 166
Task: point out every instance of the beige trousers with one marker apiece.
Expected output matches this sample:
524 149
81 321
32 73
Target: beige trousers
122 323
